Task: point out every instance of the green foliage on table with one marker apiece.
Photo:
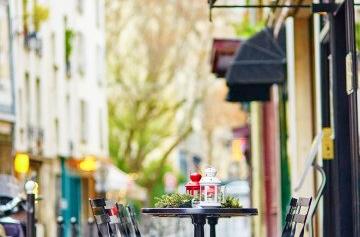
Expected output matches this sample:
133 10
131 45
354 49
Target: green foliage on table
231 202
174 200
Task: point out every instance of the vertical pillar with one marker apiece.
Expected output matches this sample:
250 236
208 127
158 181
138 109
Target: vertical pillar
353 113
303 103
60 226
341 165
30 208
257 174
271 160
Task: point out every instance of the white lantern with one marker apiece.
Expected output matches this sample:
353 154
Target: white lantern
210 189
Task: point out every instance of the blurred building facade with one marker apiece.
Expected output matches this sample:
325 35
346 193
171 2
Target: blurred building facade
318 98
322 89
59 114
7 102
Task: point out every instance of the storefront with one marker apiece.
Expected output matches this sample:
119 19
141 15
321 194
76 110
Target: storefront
323 90
339 87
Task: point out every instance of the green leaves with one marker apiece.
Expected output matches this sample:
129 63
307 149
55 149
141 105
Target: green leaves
174 200
231 202
177 200
69 36
40 14
357 34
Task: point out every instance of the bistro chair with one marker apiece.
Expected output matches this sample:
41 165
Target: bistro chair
126 224
292 209
113 213
134 222
297 215
101 217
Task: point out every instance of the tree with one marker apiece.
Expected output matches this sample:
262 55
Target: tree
219 114
157 54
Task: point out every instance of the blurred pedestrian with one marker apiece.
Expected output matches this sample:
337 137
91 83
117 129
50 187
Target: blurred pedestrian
2 231
14 224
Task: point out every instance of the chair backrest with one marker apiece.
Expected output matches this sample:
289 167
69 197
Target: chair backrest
113 213
127 228
297 215
134 221
101 217
288 221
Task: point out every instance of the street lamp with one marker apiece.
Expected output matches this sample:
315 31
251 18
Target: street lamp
88 164
21 163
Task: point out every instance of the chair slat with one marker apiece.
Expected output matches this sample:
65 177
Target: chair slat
299 218
293 202
110 204
304 202
98 211
296 216
134 221
101 219
97 202
289 218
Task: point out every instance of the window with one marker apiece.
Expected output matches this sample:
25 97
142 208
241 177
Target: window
101 131
38 103
97 12
53 47
80 51
57 135
20 106
6 100
83 122
80 6
27 99
68 117
4 44
21 115
99 64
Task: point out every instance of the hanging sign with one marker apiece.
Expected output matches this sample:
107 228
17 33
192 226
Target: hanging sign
327 144
349 74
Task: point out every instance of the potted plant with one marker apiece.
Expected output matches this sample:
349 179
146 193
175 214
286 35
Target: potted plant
69 37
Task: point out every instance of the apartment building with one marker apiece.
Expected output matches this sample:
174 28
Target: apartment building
59 115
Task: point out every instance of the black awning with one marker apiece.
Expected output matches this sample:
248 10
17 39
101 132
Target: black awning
259 63
247 93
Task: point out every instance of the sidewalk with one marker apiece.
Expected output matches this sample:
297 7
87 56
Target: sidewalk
175 227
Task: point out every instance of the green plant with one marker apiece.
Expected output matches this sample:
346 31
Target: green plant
245 29
69 36
357 35
40 14
174 200
230 202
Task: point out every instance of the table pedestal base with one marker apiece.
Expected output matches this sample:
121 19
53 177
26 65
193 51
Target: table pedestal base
198 221
212 221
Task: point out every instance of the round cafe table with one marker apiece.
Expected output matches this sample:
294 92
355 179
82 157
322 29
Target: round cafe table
200 215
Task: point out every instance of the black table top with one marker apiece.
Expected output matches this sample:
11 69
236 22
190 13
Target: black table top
183 212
